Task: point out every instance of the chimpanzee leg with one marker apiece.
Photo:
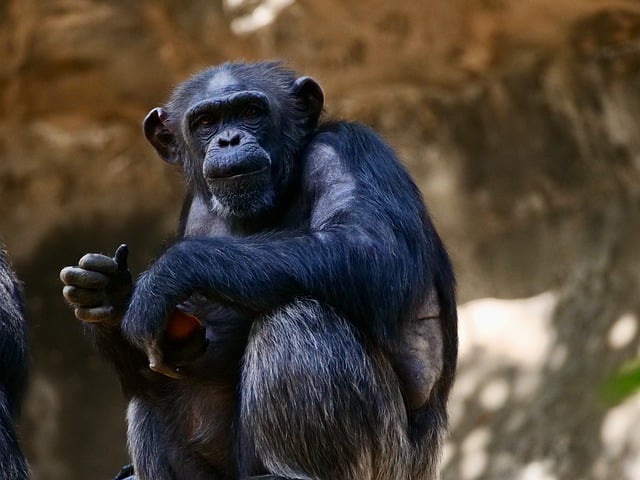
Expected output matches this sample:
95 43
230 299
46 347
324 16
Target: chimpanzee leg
316 403
147 442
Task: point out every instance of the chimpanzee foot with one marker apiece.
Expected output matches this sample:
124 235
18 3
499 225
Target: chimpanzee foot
126 473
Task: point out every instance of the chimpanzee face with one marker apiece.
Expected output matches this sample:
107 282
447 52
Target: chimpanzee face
237 135
230 132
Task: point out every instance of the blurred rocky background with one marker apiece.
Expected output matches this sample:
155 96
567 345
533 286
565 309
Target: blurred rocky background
520 120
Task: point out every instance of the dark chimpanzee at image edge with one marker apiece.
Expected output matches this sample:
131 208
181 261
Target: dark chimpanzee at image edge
13 370
304 324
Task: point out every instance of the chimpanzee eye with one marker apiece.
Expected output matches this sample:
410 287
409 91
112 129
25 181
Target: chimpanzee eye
206 120
250 112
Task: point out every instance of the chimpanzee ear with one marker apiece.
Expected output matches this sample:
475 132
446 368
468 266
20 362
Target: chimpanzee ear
160 135
308 90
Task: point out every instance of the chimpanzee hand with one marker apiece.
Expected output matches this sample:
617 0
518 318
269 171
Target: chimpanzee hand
99 288
157 292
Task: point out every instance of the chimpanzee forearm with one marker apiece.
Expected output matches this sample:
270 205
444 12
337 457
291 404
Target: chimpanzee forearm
129 362
99 289
262 274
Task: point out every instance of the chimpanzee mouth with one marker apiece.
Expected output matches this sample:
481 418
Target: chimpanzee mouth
236 174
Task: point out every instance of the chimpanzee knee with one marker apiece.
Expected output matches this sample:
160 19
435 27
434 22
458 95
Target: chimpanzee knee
316 403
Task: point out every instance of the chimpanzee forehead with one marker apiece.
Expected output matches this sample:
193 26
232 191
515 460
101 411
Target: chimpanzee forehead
223 83
227 79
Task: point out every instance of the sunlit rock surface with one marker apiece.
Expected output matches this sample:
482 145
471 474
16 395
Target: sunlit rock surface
508 398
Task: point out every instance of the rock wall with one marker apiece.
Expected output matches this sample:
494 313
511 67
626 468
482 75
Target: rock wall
519 120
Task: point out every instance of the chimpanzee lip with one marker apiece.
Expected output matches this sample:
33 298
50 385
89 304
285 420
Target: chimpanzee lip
237 176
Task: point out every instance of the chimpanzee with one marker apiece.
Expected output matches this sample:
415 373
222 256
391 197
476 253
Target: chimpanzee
13 370
304 324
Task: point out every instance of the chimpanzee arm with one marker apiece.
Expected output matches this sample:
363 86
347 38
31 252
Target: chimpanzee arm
366 252
98 289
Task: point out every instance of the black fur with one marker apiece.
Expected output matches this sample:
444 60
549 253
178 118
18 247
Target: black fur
328 341
13 370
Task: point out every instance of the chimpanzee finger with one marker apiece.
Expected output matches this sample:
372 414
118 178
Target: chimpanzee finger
98 263
83 297
83 278
94 315
121 257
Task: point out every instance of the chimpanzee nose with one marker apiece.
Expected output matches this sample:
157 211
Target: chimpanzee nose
229 138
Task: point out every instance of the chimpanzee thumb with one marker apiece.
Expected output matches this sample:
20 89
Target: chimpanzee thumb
120 257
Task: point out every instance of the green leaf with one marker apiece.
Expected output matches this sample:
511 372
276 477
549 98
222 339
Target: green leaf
622 385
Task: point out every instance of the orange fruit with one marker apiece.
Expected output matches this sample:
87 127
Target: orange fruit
181 326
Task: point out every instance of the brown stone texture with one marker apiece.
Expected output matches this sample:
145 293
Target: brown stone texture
520 120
